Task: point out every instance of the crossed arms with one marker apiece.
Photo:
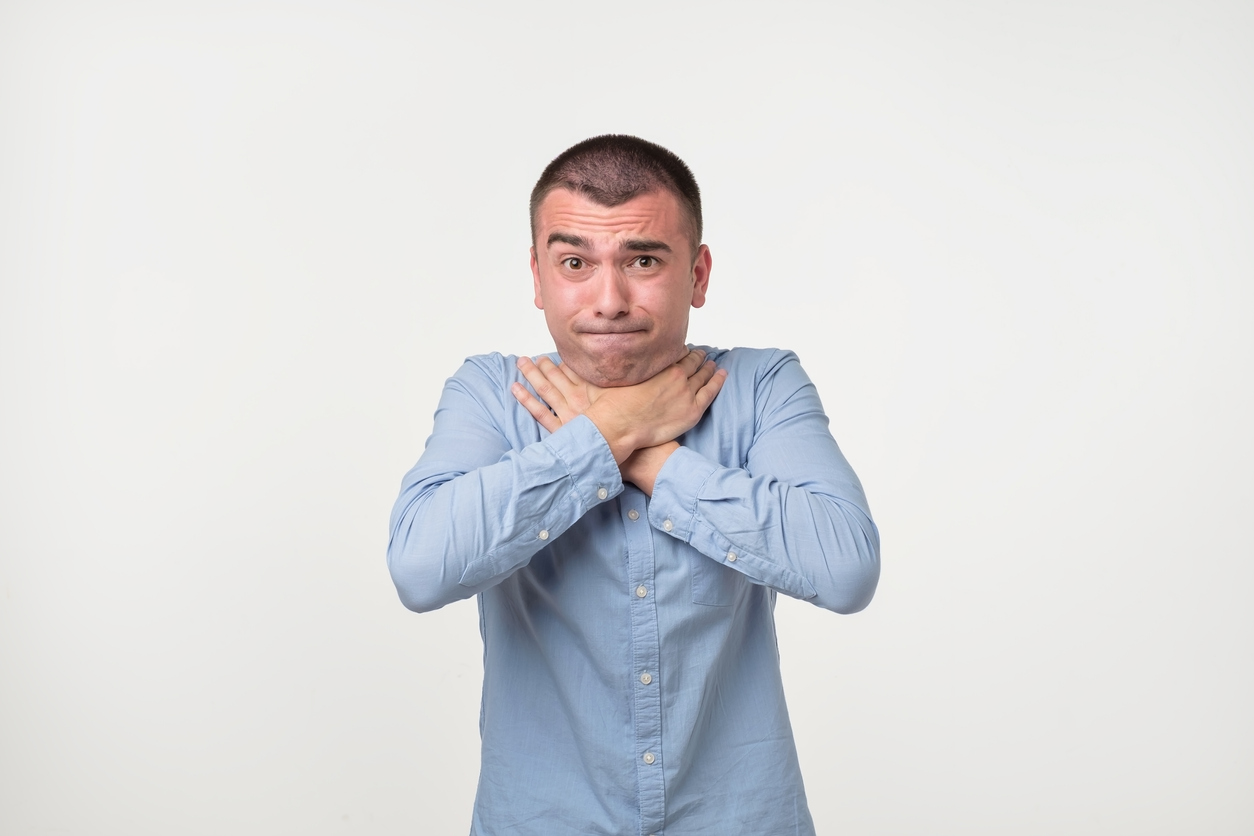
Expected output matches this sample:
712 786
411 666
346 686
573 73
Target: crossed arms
491 490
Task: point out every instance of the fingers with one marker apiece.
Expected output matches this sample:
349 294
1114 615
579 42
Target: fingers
562 378
547 366
538 376
570 374
709 391
536 407
701 376
692 361
559 386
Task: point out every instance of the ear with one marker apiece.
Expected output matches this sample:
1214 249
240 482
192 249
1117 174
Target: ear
535 279
701 276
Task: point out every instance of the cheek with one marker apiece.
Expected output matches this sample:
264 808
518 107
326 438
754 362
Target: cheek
547 296
673 307
560 307
571 298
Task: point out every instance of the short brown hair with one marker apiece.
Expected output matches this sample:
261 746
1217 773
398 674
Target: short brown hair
613 168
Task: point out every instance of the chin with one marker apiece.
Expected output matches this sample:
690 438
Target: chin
618 382
612 372
612 378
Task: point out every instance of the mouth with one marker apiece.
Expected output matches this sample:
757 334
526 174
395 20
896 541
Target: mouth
611 329
611 336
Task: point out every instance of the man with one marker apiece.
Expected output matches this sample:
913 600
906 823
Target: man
626 510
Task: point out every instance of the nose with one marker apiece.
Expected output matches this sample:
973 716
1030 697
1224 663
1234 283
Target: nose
612 300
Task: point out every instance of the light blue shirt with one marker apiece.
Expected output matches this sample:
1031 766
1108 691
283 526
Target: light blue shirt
631 673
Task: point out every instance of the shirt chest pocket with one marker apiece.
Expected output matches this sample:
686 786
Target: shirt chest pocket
713 584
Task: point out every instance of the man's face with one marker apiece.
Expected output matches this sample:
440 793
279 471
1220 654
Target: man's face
616 282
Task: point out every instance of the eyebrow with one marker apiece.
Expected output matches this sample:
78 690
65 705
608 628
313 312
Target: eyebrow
635 245
572 240
644 245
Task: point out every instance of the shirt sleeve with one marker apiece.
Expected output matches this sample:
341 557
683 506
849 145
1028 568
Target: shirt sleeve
474 509
794 517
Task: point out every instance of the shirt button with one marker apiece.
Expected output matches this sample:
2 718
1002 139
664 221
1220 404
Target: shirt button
649 758
646 678
641 591
633 514
668 525
602 493
544 534
731 557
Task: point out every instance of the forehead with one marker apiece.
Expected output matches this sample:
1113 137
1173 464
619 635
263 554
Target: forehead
655 214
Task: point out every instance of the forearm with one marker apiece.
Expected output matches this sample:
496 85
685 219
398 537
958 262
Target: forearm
643 466
456 531
787 510
815 542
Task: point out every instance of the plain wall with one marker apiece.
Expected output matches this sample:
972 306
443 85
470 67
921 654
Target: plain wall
243 244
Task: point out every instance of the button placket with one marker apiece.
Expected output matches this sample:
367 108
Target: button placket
646 697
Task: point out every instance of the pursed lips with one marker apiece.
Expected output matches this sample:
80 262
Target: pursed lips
606 329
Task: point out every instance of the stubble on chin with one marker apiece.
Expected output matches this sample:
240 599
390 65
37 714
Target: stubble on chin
611 372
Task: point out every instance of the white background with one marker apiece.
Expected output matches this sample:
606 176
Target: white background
242 244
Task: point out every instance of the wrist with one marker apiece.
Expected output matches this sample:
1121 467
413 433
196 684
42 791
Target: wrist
618 434
643 467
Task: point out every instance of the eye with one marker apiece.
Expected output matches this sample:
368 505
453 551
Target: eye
573 263
646 261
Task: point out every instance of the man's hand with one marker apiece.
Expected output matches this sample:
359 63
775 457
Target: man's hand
639 422
659 409
565 393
